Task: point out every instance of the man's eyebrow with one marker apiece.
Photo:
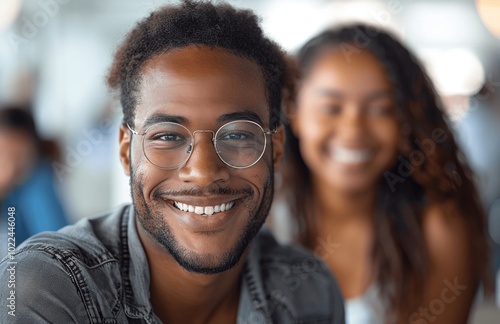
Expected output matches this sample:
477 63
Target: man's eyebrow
162 118
241 115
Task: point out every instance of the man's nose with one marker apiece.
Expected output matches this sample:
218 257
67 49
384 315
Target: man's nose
204 167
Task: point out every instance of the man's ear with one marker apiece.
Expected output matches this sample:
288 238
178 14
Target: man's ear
278 146
124 139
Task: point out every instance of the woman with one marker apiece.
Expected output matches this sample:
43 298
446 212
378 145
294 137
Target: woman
377 184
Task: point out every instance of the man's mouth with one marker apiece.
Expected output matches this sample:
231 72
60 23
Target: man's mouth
204 210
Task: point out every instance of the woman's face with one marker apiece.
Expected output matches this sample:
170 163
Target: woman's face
345 121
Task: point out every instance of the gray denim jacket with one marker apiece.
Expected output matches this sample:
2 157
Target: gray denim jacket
96 271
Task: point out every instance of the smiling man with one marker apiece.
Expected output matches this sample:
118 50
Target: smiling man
201 91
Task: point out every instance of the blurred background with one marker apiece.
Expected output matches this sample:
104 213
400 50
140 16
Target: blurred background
54 55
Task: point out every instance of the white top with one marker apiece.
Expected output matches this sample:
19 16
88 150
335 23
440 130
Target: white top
365 309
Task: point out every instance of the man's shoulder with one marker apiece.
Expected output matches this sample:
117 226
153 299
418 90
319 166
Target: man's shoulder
269 247
72 272
296 280
91 241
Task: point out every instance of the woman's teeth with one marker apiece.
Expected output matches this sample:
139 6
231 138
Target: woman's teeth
351 156
206 211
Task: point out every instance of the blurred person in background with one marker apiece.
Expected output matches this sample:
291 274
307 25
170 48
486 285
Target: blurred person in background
26 177
377 185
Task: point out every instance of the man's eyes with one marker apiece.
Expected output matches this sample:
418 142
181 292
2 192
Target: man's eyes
236 136
168 137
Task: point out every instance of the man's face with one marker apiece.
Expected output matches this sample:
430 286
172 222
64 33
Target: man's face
201 89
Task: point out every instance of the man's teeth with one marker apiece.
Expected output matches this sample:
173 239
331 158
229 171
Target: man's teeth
344 155
207 210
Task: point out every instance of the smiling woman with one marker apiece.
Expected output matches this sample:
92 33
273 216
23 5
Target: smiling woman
373 171
337 100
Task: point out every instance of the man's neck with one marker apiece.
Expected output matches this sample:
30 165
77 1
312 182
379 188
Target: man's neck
179 296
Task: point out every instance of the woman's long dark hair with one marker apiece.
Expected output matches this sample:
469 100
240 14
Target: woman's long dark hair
399 254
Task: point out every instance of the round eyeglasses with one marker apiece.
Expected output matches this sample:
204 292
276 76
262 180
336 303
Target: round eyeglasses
239 144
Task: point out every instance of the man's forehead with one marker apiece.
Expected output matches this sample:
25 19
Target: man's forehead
195 58
197 81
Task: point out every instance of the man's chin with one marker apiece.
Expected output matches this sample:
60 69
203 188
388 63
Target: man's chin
203 263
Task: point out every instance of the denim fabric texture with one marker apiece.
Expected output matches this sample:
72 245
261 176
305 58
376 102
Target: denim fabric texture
96 271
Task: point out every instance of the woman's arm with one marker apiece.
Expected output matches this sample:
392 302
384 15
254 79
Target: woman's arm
452 279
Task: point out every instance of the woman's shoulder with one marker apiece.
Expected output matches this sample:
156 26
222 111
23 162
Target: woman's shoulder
446 234
451 272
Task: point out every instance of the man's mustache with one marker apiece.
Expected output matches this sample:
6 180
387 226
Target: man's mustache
204 192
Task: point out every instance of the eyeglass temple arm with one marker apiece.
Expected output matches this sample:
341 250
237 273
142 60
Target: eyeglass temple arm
271 131
133 131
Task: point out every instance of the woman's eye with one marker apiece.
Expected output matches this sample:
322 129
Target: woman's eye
333 109
380 110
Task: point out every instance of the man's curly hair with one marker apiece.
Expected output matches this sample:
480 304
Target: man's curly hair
197 23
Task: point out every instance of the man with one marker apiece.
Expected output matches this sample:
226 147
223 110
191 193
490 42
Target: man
200 88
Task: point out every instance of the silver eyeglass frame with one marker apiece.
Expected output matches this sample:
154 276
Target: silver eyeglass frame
214 140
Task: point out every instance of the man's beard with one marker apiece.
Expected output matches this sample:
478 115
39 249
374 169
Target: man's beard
161 232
